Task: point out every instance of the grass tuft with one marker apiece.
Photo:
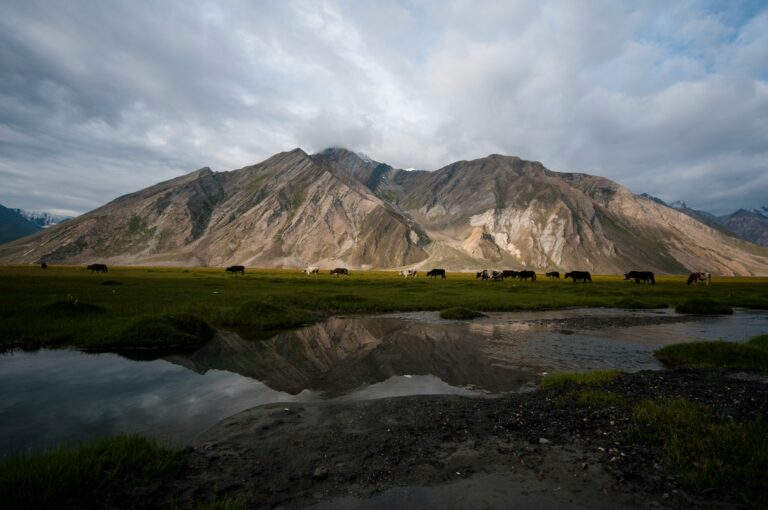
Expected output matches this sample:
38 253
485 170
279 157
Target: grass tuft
727 459
86 476
460 313
162 331
752 355
111 282
71 308
256 316
703 307
636 304
594 378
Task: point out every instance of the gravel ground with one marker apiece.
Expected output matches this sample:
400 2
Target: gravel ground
520 450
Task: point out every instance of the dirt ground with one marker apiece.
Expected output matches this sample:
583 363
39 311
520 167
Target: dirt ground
515 451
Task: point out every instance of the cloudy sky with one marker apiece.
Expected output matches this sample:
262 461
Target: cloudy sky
98 99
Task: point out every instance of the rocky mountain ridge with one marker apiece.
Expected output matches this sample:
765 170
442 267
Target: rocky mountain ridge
339 208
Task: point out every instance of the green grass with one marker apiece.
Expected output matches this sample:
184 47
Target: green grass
593 398
752 355
460 313
164 331
703 307
725 458
595 378
217 298
86 476
255 317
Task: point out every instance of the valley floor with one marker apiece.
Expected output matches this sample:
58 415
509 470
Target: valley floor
569 446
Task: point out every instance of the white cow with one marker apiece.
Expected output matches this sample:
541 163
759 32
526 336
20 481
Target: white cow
408 273
311 270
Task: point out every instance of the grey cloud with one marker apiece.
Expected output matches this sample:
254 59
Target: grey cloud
97 100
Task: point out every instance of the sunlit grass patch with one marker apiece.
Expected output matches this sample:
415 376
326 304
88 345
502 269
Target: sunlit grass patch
594 378
724 458
86 476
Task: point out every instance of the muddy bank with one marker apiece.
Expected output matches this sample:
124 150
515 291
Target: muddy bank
521 450
597 322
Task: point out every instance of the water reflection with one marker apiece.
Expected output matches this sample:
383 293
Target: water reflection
56 397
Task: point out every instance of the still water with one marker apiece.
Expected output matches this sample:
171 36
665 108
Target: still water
53 397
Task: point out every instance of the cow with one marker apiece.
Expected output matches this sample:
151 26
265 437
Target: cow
408 273
235 269
508 273
97 268
311 270
339 271
553 275
579 275
695 278
483 275
434 273
497 276
640 276
527 275
43 265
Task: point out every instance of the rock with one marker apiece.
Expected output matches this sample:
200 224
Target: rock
320 473
544 441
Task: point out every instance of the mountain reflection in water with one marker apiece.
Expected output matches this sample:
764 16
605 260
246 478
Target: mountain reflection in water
342 354
504 352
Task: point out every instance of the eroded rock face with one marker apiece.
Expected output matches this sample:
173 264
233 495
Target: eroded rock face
340 208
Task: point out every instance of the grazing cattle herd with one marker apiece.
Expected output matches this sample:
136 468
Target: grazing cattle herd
645 277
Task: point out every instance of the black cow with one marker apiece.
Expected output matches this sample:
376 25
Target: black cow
340 271
43 265
97 268
553 275
527 275
508 273
483 275
235 269
641 276
579 275
434 273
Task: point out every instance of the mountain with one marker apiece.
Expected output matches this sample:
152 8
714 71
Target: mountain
14 226
340 208
751 226
43 219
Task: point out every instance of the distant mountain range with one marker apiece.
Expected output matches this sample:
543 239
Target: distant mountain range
41 218
14 226
751 225
339 208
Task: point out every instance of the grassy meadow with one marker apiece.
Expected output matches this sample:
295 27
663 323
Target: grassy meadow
141 307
